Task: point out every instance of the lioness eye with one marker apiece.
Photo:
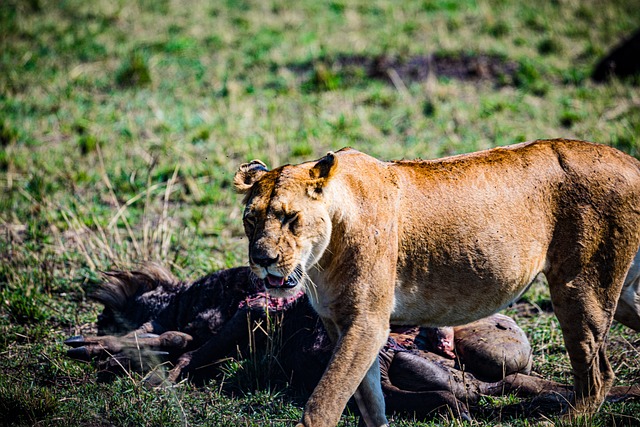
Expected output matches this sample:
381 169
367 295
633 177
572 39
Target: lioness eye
250 219
290 218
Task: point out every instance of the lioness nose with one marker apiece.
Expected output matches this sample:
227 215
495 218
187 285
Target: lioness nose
263 259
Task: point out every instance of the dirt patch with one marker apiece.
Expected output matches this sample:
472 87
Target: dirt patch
347 70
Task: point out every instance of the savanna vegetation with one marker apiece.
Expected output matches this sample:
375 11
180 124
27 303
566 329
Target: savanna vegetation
122 123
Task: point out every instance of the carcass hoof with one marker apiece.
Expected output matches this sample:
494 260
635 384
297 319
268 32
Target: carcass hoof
75 341
79 353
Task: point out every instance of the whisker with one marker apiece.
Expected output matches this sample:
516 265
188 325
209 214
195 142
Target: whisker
299 274
315 260
313 288
315 264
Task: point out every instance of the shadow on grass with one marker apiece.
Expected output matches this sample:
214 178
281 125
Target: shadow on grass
350 70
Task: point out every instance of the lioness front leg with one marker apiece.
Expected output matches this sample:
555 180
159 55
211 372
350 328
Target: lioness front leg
351 367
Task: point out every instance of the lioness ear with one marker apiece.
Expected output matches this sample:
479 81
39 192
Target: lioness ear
248 174
322 172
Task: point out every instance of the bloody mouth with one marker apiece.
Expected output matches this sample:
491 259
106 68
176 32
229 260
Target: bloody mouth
276 282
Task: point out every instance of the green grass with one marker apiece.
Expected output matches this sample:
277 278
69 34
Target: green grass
122 123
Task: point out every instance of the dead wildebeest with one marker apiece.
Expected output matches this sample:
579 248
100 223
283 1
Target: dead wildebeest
194 325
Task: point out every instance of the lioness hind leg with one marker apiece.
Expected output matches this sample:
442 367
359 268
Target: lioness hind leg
370 399
584 307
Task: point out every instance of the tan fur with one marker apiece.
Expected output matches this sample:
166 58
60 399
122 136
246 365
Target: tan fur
446 242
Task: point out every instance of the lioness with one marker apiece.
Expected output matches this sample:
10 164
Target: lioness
445 242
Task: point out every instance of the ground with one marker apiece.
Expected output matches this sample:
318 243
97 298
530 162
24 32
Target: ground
122 123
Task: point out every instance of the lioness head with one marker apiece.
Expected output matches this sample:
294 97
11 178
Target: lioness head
286 219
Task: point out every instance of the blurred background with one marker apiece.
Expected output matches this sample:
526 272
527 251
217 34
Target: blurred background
122 123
